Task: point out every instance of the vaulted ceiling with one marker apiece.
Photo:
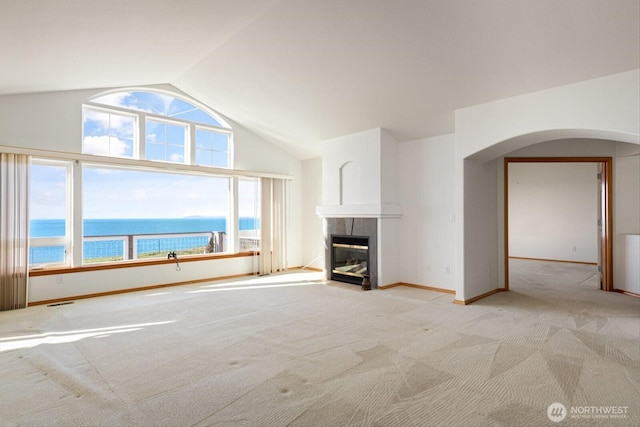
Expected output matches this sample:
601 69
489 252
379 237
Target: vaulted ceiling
297 72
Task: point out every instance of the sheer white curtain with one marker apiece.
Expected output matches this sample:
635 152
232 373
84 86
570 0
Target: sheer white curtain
14 230
273 225
280 222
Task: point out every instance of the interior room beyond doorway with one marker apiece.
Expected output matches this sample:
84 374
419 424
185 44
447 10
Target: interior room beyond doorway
558 209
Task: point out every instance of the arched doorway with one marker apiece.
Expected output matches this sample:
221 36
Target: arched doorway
484 270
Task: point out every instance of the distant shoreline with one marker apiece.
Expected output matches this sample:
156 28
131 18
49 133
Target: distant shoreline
111 227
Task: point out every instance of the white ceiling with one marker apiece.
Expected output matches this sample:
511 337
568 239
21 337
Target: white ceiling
301 71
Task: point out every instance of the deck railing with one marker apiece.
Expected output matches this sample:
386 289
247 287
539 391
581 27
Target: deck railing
139 246
97 249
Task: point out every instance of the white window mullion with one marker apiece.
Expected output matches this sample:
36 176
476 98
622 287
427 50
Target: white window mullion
192 144
230 154
142 136
75 212
233 228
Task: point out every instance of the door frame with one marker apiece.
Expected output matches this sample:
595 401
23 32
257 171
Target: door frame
607 211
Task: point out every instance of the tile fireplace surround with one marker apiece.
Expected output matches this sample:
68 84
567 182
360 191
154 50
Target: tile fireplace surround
354 227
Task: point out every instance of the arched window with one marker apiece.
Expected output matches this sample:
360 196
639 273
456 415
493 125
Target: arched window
154 125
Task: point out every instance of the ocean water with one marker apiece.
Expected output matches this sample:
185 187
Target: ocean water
122 227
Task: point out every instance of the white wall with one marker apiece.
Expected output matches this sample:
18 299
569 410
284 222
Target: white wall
44 288
627 191
389 249
389 167
626 205
426 193
628 265
53 121
360 181
312 236
480 224
604 108
50 121
553 211
389 242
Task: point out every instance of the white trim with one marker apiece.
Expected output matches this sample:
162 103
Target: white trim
359 211
126 162
76 215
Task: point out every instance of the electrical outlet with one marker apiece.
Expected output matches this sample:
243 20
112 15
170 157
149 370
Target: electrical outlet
573 249
447 269
428 268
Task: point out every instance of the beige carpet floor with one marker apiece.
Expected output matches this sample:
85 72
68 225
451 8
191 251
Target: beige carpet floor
291 350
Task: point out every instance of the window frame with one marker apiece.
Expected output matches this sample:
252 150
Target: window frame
76 159
65 241
187 149
73 162
139 148
194 146
160 168
123 112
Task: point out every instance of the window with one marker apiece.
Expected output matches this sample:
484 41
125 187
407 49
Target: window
108 133
155 126
134 209
138 214
49 213
165 141
212 148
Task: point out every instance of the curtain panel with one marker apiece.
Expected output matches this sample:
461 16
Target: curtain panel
14 230
274 219
280 222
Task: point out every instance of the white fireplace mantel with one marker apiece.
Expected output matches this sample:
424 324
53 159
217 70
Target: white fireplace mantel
359 211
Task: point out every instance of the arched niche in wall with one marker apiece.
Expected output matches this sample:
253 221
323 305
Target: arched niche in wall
350 185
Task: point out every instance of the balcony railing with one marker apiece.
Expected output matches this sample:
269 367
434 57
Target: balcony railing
97 249
140 246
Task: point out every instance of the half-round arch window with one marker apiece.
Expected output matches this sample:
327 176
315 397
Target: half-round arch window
158 126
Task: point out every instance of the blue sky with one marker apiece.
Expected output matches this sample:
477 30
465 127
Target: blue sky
117 193
120 193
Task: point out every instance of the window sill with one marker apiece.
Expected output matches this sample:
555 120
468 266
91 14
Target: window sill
135 263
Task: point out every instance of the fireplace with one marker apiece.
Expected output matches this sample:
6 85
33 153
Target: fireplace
349 258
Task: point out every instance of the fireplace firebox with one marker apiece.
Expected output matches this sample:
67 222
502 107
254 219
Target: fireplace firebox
349 258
